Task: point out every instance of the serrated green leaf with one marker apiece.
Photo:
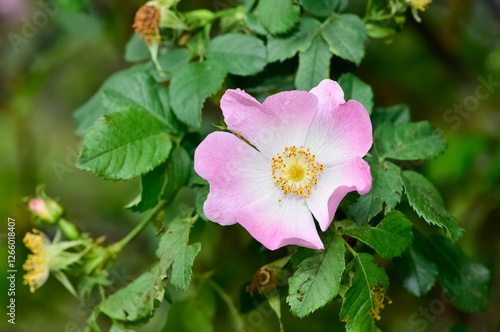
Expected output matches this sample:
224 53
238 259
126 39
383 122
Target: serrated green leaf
86 114
408 141
136 49
174 252
124 145
314 65
178 172
240 54
356 89
427 202
284 47
151 186
254 24
396 114
419 273
346 35
191 85
278 16
130 87
385 193
360 301
465 281
390 238
137 301
317 279
322 8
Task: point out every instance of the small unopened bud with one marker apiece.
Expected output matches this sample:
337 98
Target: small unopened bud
46 209
147 21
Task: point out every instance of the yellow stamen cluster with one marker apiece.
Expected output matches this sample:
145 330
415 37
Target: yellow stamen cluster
296 171
420 4
378 300
36 265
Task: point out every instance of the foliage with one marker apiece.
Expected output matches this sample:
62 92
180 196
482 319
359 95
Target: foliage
144 123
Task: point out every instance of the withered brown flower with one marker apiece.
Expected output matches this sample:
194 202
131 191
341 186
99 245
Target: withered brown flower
147 21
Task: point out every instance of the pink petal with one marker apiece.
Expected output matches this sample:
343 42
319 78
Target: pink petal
277 224
339 131
335 182
238 174
282 120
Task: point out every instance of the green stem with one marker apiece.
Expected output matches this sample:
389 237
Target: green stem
238 322
118 246
354 253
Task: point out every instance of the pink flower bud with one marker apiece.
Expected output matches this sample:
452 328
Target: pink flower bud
46 209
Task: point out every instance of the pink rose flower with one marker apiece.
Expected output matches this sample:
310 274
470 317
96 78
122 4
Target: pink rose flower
307 157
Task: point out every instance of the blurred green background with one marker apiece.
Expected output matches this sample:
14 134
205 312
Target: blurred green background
51 66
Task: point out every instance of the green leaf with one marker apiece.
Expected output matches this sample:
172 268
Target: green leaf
465 281
131 87
174 252
191 85
317 279
278 16
427 202
178 172
419 273
356 89
390 238
137 301
284 47
346 35
136 49
86 114
408 141
385 193
151 187
124 145
201 197
314 65
322 8
364 299
396 114
240 54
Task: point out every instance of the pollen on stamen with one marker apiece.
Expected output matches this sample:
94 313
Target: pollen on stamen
296 171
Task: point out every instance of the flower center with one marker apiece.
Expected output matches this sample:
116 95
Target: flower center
296 171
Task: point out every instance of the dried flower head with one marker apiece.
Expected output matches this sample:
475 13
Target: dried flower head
147 21
264 280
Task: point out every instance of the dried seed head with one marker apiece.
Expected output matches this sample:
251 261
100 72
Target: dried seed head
147 21
264 280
